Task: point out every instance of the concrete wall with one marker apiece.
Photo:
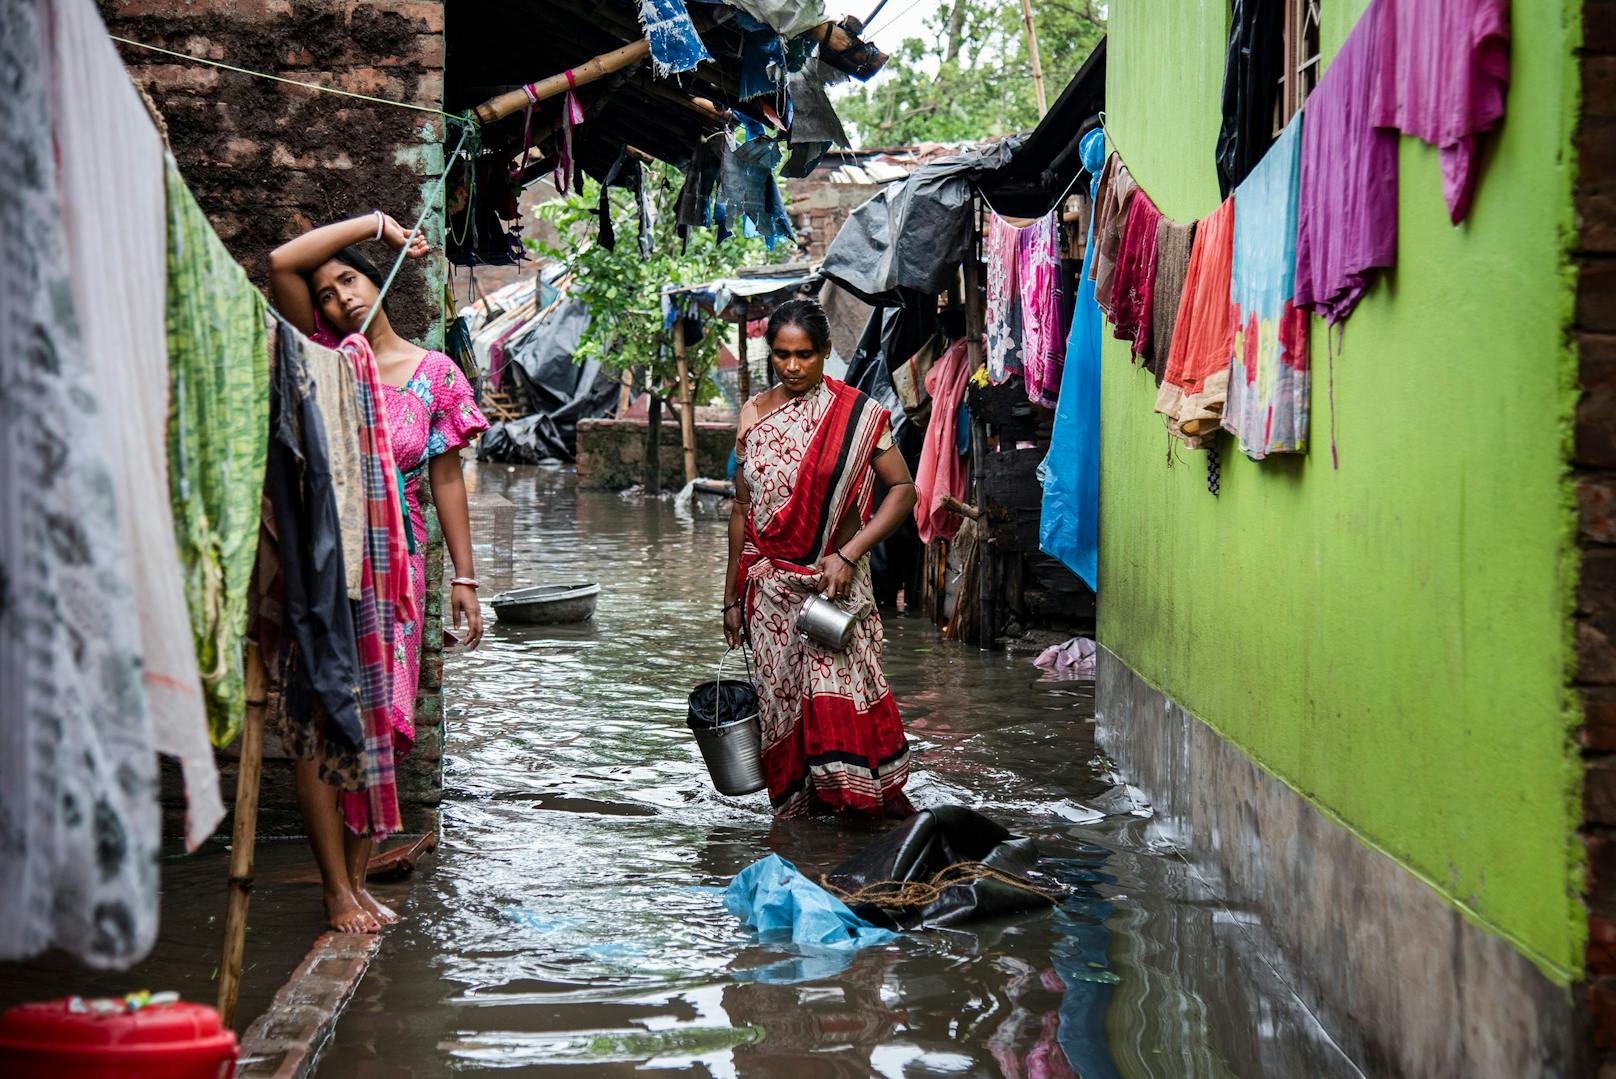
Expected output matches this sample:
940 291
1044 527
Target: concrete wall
611 453
1391 638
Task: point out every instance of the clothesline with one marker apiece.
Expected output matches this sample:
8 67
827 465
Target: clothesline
467 120
426 208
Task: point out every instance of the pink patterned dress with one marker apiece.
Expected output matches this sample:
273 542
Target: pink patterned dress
431 414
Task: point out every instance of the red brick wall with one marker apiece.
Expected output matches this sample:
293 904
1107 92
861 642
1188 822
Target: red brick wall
818 209
266 160
1594 470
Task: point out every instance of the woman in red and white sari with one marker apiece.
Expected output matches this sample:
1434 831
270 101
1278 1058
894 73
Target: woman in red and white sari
808 452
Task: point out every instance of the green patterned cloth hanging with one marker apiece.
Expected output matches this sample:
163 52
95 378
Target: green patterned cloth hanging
218 429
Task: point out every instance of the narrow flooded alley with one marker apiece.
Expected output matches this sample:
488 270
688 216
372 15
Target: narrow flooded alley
571 921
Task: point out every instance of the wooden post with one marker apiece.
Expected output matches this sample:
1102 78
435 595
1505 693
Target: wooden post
975 329
607 63
1032 51
743 373
653 445
243 835
625 395
687 414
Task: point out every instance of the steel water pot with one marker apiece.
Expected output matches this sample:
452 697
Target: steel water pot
822 622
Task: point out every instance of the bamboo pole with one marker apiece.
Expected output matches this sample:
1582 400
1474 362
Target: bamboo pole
743 373
607 63
653 447
625 395
1032 51
243 835
687 414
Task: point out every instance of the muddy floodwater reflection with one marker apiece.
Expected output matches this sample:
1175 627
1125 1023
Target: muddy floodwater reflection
571 921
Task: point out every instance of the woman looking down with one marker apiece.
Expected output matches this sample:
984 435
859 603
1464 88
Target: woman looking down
808 453
322 285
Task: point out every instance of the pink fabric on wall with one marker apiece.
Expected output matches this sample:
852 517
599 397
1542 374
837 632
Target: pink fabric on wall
1441 73
941 470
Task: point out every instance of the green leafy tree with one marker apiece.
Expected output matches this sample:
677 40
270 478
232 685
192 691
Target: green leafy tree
622 289
983 82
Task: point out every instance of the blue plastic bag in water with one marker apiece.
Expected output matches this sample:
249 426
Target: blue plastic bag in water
772 897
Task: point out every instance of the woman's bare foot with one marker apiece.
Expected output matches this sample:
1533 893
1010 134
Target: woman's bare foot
345 914
378 910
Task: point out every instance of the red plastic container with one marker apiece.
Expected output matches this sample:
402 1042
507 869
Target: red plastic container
103 1040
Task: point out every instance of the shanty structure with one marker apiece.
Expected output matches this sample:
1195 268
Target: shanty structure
496 48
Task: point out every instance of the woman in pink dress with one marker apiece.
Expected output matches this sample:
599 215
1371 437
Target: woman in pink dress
325 287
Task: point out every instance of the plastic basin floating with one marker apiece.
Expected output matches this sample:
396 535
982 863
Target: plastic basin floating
547 604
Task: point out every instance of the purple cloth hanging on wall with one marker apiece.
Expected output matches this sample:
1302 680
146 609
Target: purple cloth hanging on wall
1347 218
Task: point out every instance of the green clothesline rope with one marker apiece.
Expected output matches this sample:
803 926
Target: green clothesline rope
466 120
426 208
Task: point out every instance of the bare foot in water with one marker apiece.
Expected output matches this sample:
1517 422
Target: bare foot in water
345 914
378 910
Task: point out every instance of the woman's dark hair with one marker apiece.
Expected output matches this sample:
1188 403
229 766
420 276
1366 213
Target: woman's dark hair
352 256
806 314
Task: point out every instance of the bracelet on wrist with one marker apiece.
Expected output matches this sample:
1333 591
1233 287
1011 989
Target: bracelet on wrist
469 582
381 221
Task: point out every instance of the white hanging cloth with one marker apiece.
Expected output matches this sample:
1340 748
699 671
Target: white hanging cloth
79 822
111 174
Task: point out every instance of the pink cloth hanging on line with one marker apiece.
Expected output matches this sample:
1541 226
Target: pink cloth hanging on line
941 470
1043 346
1441 74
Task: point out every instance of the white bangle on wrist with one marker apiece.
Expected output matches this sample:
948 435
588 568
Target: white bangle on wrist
381 221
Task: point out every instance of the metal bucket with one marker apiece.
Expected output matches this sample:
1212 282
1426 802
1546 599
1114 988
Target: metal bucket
733 750
822 621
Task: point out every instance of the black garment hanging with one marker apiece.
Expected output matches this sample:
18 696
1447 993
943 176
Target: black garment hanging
298 482
1251 86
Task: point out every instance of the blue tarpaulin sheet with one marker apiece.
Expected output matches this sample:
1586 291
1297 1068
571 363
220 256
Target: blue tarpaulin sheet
1069 525
774 898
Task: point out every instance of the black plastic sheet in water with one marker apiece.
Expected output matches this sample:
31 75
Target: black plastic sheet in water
925 845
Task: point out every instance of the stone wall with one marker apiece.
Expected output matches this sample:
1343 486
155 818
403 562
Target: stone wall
1594 465
266 160
611 453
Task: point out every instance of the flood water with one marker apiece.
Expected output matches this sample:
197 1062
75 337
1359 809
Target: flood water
570 922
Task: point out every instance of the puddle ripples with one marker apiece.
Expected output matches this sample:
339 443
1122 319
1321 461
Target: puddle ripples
571 922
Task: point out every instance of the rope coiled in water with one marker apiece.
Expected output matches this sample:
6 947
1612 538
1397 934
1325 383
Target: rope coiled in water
905 894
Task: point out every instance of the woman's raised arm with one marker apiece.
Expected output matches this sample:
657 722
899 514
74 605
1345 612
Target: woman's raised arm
291 262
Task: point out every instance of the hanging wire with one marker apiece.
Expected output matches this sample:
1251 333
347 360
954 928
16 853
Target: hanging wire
467 119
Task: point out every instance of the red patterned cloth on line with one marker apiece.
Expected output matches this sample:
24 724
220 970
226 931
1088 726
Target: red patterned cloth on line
832 736
385 590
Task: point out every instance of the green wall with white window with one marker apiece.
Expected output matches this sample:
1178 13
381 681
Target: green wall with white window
1391 637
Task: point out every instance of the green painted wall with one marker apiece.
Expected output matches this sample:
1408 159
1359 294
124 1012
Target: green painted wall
1390 638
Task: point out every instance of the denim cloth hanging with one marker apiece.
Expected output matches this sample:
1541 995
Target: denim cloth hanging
675 45
763 58
1069 525
748 192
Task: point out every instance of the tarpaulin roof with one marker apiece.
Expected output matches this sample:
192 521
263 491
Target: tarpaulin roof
914 232
752 294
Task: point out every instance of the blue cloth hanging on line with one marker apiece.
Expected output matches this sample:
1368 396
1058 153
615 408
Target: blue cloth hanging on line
1069 523
675 45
